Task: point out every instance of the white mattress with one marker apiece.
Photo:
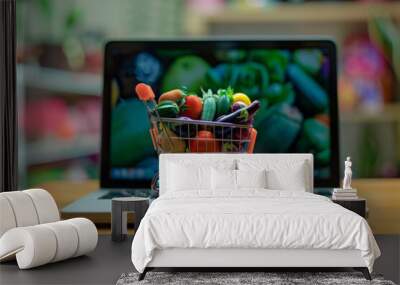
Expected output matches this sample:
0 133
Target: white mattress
252 219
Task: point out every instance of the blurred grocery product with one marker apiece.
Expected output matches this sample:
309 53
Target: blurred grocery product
366 78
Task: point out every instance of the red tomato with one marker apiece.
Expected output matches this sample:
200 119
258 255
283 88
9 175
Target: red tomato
192 107
323 118
204 142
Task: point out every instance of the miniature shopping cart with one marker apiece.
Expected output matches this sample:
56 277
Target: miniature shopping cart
172 135
177 135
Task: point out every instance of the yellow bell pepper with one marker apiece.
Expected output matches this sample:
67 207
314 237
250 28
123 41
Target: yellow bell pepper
242 98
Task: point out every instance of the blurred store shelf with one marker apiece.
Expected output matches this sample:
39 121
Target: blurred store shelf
51 150
60 81
388 113
305 13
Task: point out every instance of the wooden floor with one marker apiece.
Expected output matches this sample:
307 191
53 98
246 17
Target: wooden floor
110 260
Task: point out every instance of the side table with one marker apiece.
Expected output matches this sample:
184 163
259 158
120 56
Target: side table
119 215
358 205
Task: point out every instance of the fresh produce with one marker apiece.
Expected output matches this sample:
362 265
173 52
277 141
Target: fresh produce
209 106
309 59
241 133
218 76
223 105
189 71
279 93
231 108
168 109
229 147
174 95
252 142
238 105
292 86
184 128
192 107
144 92
128 132
323 157
224 101
275 60
277 128
204 142
250 77
241 97
316 134
168 140
147 67
313 99
242 115
323 118
315 138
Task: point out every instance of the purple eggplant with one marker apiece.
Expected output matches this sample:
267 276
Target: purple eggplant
237 105
183 129
241 115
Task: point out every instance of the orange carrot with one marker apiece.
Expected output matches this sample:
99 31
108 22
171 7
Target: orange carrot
144 92
252 142
323 118
173 95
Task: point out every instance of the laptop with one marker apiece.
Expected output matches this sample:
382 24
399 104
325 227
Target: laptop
295 80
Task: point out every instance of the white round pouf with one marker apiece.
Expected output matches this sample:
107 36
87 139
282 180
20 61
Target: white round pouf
33 246
23 208
31 232
46 207
67 240
87 233
7 218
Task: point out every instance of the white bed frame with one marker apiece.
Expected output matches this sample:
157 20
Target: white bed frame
245 259
234 257
251 258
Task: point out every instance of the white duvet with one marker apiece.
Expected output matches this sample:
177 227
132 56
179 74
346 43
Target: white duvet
250 219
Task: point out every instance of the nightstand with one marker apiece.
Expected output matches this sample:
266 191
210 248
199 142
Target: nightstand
358 206
120 208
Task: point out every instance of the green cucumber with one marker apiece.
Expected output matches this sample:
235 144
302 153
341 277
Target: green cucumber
209 106
313 98
168 109
209 109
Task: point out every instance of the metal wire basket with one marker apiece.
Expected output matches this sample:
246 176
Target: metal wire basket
172 135
180 135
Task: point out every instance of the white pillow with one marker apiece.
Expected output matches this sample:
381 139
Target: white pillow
181 177
223 179
291 179
251 178
193 174
281 175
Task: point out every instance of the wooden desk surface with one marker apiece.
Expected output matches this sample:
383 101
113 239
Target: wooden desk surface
383 203
66 192
383 200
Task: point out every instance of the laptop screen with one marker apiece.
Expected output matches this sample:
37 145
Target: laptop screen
295 81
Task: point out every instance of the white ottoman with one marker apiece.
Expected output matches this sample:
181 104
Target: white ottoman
31 230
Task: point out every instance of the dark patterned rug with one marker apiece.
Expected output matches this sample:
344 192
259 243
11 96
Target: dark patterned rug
228 278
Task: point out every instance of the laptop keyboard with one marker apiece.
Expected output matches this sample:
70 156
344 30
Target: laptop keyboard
126 193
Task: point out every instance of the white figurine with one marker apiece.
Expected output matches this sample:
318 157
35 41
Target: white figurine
347 174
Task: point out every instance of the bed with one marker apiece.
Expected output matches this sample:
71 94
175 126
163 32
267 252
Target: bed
247 211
